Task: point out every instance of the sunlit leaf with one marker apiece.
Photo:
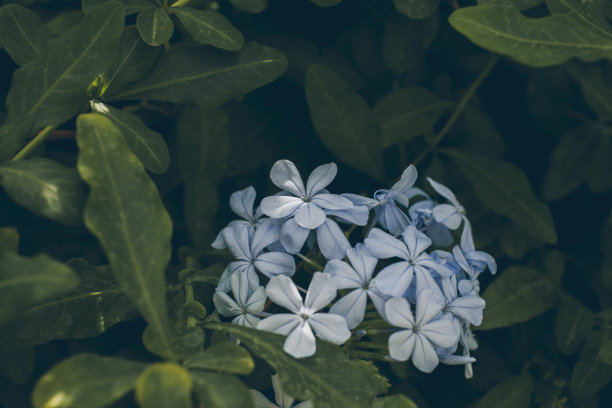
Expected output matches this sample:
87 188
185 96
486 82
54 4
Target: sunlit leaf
86 380
513 393
538 42
209 27
126 214
163 385
222 357
590 13
417 8
220 390
520 4
154 26
574 323
207 77
45 187
22 33
517 295
343 121
250 6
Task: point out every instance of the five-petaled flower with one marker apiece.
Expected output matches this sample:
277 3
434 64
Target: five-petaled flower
246 307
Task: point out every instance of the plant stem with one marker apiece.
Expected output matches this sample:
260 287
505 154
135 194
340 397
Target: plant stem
310 262
191 321
34 143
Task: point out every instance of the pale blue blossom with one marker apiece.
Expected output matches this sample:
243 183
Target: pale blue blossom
395 279
430 328
282 400
423 219
241 202
472 269
451 214
246 307
352 306
468 308
298 326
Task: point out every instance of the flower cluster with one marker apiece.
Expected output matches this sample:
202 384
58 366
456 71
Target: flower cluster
418 278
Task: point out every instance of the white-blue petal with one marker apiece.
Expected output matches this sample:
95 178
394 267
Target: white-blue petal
238 240
241 203
257 301
343 275
330 327
331 240
266 233
392 218
398 313
275 263
416 241
395 279
440 332
293 236
363 262
261 401
332 201
407 180
447 214
321 291
226 305
469 308
352 307
246 320
424 356
429 305
357 215
240 288
282 291
279 206
320 178
401 345
359 200
301 342
382 245
467 241
282 323
444 192
309 216
285 175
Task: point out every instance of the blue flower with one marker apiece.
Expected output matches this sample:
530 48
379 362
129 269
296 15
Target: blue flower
241 203
352 306
422 218
472 269
282 400
298 326
468 308
451 214
395 279
247 304
429 329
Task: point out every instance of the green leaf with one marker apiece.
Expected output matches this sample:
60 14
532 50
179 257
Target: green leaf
517 295
210 27
86 380
504 188
408 113
163 385
590 373
27 282
220 390
394 401
207 77
209 275
135 58
405 40
554 266
343 121
590 13
515 243
131 6
45 187
53 87
595 91
512 393
538 42
179 344
22 34
250 6
520 4
123 207
326 3
154 26
148 145
574 323
222 357
569 162
599 169
482 137
329 379
93 307
605 352
417 8
13 134
9 239
17 365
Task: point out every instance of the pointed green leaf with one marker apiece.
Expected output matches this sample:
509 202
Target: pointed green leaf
17 365
164 385
53 87
154 26
86 380
45 187
590 13
394 401
250 6
408 113
222 357
343 121
220 390
148 145
504 188
329 379
209 27
517 295
22 34
520 4
590 373
574 323
135 58
538 42
326 3
123 208
513 393
417 8
207 77
9 239
27 282
605 352
92 308
183 342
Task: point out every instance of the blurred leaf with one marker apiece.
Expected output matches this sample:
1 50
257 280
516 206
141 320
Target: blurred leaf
590 13
164 385
9 239
515 243
134 60
326 3
417 8
574 323
365 51
504 188
27 282
86 380
405 40
517 295
220 390
123 207
17 365
210 27
13 134
207 77
594 91
343 121
520 4
93 307
554 265
148 145
394 401
45 187
183 343
605 352
53 87
329 379
600 167
209 275
408 113
222 357
590 373
154 26
536 42
131 6
569 162
483 136
22 34
513 393
250 6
